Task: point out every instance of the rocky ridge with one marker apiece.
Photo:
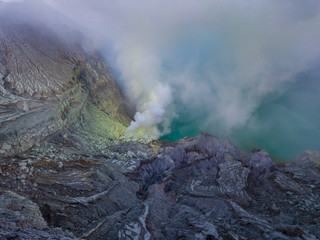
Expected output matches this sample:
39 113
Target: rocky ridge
196 188
48 83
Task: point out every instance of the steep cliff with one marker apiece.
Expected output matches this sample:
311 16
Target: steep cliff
48 83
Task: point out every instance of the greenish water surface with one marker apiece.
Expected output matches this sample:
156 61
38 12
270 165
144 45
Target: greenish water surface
284 126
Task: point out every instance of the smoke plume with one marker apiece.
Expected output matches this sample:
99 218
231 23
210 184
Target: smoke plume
217 59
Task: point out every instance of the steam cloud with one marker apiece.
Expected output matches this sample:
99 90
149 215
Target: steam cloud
223 57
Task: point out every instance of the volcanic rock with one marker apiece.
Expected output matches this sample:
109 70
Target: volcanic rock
64 173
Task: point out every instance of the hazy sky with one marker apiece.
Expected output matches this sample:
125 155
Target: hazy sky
222 56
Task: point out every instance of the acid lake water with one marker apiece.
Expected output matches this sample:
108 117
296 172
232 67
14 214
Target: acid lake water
283 125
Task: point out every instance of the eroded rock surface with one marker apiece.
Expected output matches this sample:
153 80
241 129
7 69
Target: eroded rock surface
20 218
48 83
166 190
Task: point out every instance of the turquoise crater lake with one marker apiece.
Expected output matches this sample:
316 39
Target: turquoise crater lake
283 125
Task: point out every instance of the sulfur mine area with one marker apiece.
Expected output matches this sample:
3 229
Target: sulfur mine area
65 173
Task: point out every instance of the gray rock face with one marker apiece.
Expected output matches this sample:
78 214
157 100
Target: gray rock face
47 83
20 218
232 181
64 174
181 193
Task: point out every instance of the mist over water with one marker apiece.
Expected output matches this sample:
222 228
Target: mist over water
243 69
284 125
283 119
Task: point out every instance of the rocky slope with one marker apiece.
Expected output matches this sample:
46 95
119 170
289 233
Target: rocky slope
64 174
48 83
196 188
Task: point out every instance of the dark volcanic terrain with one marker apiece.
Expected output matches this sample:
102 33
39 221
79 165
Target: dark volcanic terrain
64 173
